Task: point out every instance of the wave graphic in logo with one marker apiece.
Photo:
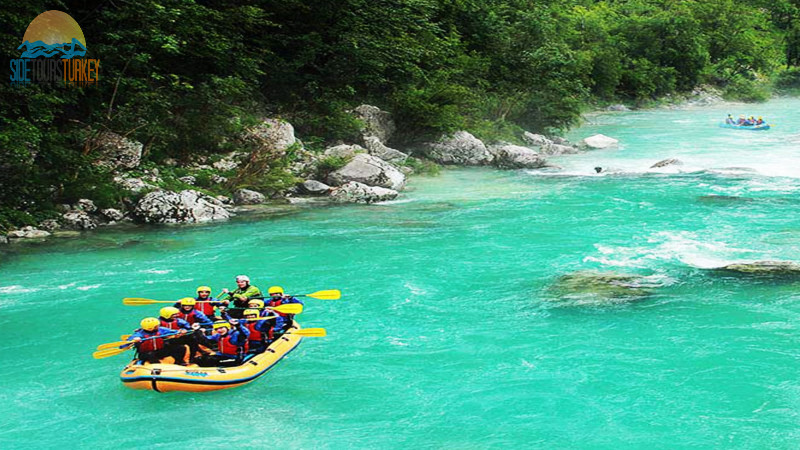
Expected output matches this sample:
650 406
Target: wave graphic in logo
63 50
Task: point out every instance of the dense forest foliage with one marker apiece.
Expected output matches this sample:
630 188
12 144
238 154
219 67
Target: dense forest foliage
183 76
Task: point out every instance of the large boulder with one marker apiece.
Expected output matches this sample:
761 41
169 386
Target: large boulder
78 220
112 215
377 123
248 197
461 148
378 149
314 187
344 151
114 151
271 136
368 170
187 206
28 232
599 142
509 156
537 140
85 204
354 192
134 185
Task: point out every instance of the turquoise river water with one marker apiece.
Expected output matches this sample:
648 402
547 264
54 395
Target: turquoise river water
453 332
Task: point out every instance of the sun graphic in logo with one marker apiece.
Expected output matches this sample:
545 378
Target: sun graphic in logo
53 33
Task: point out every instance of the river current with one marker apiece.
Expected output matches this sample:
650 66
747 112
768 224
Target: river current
482 308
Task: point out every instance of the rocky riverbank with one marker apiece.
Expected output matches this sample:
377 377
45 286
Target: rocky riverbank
366 171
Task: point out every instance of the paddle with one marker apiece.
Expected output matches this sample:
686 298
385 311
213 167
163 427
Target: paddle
121 343
137 301
310 332
289 308
330 294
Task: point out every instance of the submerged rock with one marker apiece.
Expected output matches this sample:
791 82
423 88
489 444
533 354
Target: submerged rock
461 148
667 162
354 192
368 170
187 206
775 268
599 142
592 288
509 156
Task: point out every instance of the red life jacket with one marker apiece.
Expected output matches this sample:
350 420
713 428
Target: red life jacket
204 307
257 335
172 324
226 347
274 303
189 317
152 345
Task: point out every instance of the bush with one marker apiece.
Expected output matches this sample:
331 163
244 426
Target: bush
745 90
788 79
329 164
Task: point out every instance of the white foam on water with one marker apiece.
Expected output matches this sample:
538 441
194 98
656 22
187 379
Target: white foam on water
17 289
86 288
684 247
156 271
397 201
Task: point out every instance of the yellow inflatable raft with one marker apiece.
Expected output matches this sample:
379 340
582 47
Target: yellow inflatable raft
193 378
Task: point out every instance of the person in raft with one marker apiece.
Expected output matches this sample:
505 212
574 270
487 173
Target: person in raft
276 298
171 318
261 331
188 311
231 344
206 303
241 295
150 346
729 120
760 121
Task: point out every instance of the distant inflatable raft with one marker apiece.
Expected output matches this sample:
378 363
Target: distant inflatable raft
193 378
762 127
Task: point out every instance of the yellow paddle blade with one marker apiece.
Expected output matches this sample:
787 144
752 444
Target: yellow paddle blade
112 345
136 301
124 337
291 308
311 332
100 354
330 294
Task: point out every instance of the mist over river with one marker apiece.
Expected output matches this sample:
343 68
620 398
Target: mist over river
467 319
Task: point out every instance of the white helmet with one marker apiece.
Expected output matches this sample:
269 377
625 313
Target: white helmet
243 278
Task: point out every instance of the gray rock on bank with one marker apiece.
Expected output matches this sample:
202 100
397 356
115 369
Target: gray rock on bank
314 187
28 232
344 151
78 220
187 206
462 148
248 197
271 135
368 170
509 156
378 149
114 151
377 123
354 192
